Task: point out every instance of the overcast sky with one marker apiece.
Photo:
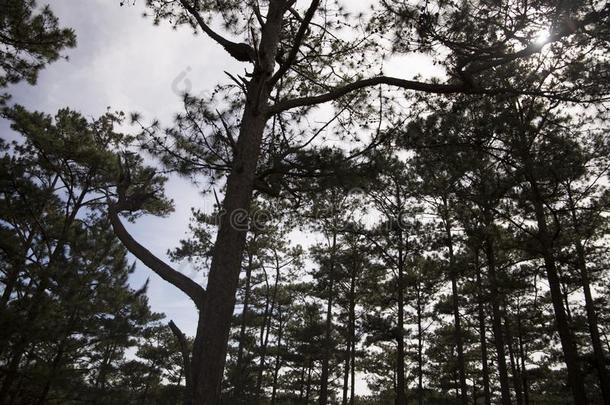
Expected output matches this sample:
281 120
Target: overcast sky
124 62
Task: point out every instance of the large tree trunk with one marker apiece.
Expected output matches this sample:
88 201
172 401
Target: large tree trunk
215 319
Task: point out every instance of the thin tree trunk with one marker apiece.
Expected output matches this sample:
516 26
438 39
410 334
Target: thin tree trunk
266 327
186 362
420 360
598 350
459 336
496 320
513 364
401 398
323 400
239 366
351 352
346 368
526 396
482 332
276 368
308 385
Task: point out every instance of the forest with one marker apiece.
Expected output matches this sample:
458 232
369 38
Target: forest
372 238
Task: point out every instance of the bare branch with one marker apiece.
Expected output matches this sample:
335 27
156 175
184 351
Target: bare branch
167 273
360 84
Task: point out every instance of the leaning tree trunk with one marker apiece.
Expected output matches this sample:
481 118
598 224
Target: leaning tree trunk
210 347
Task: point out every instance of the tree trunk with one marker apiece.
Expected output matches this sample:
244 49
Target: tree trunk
348 348
496 319
239 366
328 328
401 398
351 339
513 365
567 341
459 337
276 368
215 319
186 361
266 328
598 350
420 359
308 385
526 396
482 332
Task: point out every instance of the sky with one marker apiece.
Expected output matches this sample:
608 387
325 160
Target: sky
123 62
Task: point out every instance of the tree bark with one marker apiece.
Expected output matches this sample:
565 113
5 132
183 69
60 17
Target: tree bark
215 320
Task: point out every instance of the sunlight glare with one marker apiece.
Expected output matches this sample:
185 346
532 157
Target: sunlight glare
542 37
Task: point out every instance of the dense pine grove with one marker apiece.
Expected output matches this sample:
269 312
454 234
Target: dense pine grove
373 239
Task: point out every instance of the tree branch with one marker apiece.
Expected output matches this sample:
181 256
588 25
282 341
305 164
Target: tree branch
360 84
566 28
167 273
184 350
240 51
297 42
